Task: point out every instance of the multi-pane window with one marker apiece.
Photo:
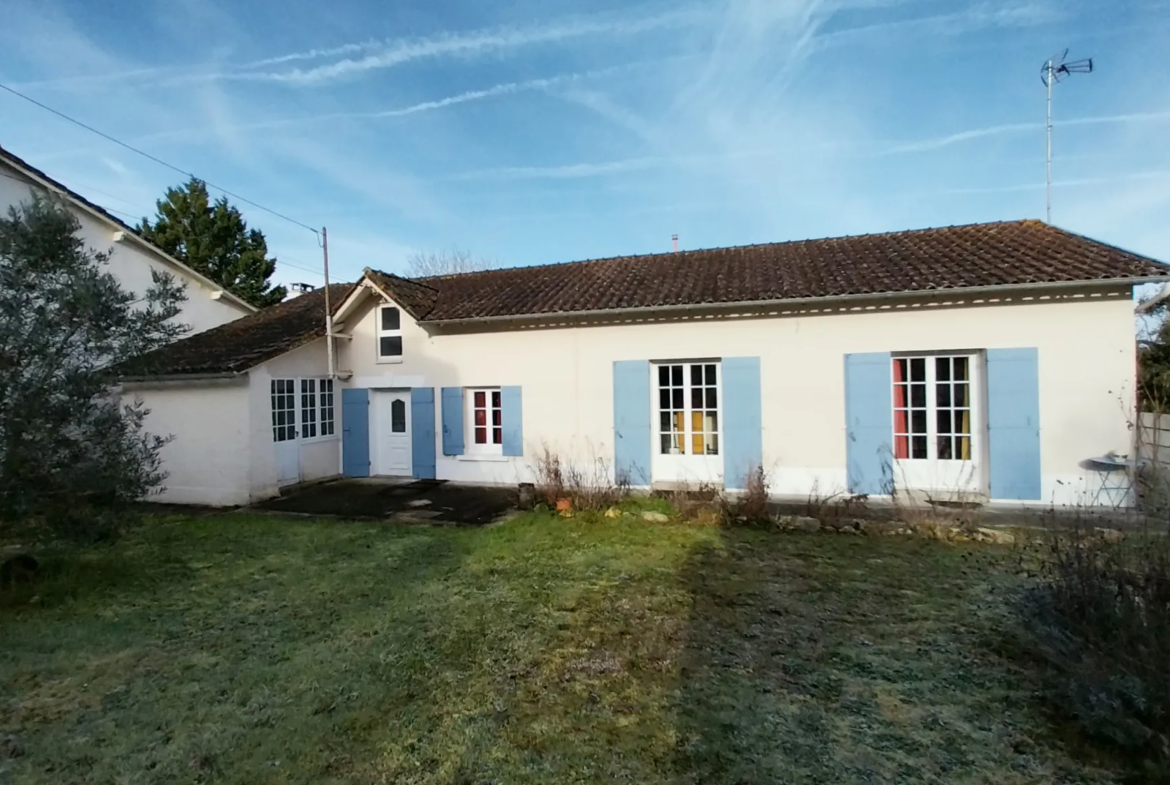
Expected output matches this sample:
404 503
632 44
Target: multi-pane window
327 416
308 408
672 415
284 412
910 438
486 418
688 409
952 384
302 408
389 333
932 408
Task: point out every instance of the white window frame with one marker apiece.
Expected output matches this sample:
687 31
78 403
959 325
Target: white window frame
381 333
469 445
934 473
320 409
712 438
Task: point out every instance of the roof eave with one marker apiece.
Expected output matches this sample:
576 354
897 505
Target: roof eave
52 185
180 378
805 301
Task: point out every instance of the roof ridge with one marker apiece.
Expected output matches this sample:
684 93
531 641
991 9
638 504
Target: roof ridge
416 281
862 236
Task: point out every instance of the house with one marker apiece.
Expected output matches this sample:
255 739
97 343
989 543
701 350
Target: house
983 362
131 258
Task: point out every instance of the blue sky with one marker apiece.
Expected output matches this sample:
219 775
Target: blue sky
534 132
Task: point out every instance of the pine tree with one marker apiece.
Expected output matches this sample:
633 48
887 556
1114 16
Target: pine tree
71 452
213 239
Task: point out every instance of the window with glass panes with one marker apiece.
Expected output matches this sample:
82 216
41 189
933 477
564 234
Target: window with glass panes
486 420
389 333
688 409
327 416
932 408
284 410
308 408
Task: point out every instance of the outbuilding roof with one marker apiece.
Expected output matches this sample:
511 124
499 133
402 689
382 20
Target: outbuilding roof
245 343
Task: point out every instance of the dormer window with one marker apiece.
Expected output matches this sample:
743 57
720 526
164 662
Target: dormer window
389 334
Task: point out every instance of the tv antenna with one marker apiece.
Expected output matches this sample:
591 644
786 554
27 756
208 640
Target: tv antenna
1054 70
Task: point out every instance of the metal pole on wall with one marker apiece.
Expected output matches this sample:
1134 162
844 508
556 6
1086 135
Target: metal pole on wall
328 307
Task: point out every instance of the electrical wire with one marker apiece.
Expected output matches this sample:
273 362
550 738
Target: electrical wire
157 160
280 259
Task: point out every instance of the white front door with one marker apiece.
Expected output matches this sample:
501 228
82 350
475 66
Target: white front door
936 438
687 440
284 431
392 424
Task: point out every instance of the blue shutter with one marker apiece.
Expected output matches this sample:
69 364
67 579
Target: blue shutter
355 432
1013 423
631 421
422 437
452 421
869 423
512 411
743 430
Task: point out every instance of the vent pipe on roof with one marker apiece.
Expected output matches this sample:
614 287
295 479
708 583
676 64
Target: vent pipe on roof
675 239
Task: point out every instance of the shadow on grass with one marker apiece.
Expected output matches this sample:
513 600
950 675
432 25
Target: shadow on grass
67 574
837 659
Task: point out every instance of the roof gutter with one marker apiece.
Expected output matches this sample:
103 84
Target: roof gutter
806 301
180 378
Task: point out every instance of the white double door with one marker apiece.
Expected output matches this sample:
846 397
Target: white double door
392 430
938 425
687 421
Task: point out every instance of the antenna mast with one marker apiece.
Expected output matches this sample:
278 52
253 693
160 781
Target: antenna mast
1053 70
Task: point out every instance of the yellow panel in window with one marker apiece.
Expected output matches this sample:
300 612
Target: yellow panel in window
698 445
696 421
965 448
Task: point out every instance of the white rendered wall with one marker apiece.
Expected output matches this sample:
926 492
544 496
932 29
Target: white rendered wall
208 460
1086 350
131 262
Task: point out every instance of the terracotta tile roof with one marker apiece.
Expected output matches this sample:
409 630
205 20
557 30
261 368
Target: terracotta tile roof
955 258
412 294
245 343
952 258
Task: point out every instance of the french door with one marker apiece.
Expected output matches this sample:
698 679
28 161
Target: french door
687 439
936 438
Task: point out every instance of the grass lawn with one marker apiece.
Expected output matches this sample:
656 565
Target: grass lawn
244 649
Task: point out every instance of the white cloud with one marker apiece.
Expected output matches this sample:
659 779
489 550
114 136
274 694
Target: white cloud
478 43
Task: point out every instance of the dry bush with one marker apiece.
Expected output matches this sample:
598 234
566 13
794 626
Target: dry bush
954 507
1098 614
589 486
750 506
699 503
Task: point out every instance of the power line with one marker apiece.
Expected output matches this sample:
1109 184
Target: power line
280 258
157 160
